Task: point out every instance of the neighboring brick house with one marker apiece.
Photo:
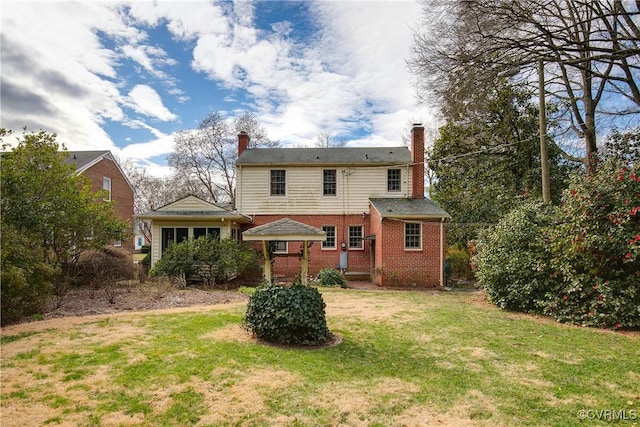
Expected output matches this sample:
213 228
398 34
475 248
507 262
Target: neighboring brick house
369 201
106 174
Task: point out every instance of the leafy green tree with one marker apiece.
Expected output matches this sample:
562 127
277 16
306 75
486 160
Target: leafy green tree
51 209
207 258
488 162
512 258
26 279
596 248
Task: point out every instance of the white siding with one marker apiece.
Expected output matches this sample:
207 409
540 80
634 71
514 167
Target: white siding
190 203
304 190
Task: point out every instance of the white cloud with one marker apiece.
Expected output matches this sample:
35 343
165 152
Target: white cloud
145 100
62 69
160 146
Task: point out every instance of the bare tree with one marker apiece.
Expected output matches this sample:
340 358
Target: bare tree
152 192
205 157
326 140
591 49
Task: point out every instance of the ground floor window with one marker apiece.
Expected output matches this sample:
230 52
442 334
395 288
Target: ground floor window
173 235
412 235
206 231
330 243
279 247
355 237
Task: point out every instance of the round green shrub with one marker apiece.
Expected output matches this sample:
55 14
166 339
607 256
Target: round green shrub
512 258
331 277
287 315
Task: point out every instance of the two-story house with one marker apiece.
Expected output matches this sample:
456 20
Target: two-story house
369 202
366 204
105 173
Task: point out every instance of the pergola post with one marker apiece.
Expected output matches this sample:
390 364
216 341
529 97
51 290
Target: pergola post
285 230
267 261
304 267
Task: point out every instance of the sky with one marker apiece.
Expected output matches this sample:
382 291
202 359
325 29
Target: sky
125 76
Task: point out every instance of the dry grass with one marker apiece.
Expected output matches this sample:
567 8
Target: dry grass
406 359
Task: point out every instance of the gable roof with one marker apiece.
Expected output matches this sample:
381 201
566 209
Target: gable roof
83 160
326 156
408 208
285 229
193 207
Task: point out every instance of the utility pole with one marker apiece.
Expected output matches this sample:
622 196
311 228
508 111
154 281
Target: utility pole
544 153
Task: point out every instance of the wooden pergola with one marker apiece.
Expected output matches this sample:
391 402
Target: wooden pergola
286 230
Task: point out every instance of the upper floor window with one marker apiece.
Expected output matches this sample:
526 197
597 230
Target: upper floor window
329 182
393 179
278 182
106 185
330 243
412 235
355 237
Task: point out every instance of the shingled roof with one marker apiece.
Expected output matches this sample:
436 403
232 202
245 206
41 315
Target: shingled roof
285 229
408 208
326 156
83 159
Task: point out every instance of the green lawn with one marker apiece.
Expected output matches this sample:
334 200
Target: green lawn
406 358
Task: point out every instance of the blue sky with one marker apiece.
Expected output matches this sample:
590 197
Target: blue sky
124 76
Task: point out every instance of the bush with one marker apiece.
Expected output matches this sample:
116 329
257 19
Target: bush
512 258
596 249
460 261
207 258
331 277
26 280
282 315
103 267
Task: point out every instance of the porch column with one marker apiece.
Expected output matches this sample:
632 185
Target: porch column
267 262
304 268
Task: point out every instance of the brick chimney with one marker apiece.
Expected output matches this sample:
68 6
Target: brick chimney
417 155
243 142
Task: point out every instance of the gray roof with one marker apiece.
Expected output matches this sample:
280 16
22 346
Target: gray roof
160 214
80 159
326 156
408 208
284 229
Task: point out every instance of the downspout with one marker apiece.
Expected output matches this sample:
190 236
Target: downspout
442 252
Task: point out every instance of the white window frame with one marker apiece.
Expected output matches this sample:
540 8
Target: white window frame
280 251
361 246
106 185
335 183
399 180
328 248
271 194
419 236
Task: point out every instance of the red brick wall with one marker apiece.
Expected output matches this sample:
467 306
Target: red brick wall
358 260
121 192
408 268
399 267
